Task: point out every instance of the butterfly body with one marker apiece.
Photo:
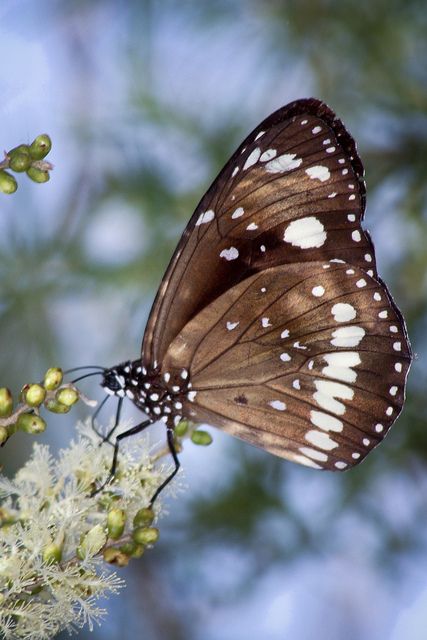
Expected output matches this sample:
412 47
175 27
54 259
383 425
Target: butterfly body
271 322
158 395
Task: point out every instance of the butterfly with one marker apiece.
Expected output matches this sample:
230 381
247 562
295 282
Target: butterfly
271 321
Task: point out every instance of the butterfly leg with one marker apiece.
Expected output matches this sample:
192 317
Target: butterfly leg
171 445
116 422
130 432
96 414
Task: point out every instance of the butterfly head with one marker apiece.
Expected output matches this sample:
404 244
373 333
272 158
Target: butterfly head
116 379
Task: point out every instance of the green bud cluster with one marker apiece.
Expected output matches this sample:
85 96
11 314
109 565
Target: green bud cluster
142 534
29 159
49 393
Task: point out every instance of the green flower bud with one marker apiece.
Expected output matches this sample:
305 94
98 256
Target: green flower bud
8 183
138 551
38 175
4 434
56 407
201 437
92 542
181 428
128 548
31 423
52 553
21 148
116 520
67 396
40 146
6 402
143 518
132 549
53 378
20 159
115 556
145 535
33 394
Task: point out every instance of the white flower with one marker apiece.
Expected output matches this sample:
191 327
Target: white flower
53 533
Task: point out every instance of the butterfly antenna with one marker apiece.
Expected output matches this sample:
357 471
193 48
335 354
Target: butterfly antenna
89 366
88 375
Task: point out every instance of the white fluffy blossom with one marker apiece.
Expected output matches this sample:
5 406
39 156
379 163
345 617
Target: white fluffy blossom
54 537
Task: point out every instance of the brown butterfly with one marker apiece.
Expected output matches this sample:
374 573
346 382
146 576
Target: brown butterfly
271 322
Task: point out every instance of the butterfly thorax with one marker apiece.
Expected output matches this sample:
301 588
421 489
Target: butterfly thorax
159 395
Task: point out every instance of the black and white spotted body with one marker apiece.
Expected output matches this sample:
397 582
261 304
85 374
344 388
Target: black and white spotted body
159 396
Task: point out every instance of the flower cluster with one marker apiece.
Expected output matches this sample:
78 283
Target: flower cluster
28 158
59 539
51 394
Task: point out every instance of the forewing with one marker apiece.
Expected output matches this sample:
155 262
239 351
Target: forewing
308 361
292 192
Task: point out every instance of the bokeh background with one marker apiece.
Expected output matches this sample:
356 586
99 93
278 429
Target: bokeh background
145 101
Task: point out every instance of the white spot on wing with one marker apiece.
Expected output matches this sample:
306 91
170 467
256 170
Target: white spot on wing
285 357
325 421
297 345
268 155
235 171
278 405
313 453
316 130
229 254
318 291
286 162
305 233
356 236
340 365
328 391
347 336
252 226
261 133
340 464
252 158
319 172
239 212
231 325
320 440
343 312
266 322
205 217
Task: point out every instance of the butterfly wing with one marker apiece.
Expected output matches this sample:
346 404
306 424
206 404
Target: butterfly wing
308 361
292 192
